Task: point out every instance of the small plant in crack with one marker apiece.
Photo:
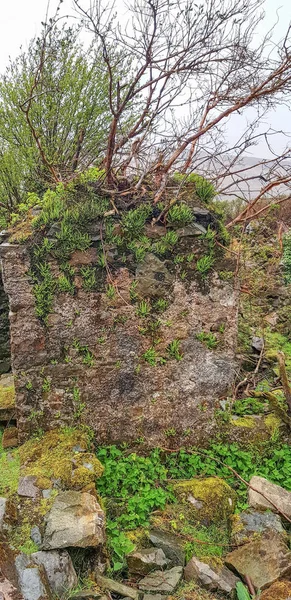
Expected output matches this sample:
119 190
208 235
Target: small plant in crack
173 350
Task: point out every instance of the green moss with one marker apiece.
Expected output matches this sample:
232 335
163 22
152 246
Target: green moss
9 471
272 423
7 396
217 500
54 456
246 421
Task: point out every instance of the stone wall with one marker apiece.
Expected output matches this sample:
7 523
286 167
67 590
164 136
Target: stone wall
4 331
87 364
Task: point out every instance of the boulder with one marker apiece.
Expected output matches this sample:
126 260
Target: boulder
251 522
281 590
163 582
10 437
221 579
59 570
211 499
265 560
275 493
35 535
27 486
146 560
32 579
171 545
75 519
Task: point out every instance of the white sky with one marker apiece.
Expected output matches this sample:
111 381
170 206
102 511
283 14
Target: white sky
21 20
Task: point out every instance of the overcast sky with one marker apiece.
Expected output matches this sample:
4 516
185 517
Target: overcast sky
21 20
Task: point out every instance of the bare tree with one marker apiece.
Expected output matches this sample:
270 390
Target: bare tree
193 66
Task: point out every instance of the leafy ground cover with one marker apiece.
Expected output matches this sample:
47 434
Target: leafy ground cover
133 486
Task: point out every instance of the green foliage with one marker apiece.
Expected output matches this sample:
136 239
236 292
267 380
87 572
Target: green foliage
136 484
9 469
204 265
70 239
69 112
110 291
133 486
209 339
287 257
134 221
44 291
242 591
214 541
132 291
173 350
65 285
166 243
143 309
89 277
88 358
248 406
204 189
160 305
151 356
180 215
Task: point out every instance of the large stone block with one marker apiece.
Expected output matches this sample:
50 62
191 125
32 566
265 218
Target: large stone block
75 519
273 496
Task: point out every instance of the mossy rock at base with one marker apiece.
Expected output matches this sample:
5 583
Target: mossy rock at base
246 421
7 392
211 499
63 455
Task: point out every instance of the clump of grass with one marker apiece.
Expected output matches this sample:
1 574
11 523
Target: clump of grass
180 215
204 264
173 350
89 278
143 309
208 339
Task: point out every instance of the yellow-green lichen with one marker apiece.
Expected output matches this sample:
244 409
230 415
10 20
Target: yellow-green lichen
61 454
246 421
211 499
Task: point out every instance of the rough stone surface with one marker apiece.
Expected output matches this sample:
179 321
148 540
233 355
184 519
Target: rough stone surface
3 504
264 560
170 544
146 560
75 519
32 580
273 492
59 570
115 586
252 522
35 535
212 579
10 437
5 362
281 590
118 401
27 487
163 582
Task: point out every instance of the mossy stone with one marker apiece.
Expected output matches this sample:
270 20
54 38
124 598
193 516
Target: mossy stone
246 421
7 396
54 456
212 499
